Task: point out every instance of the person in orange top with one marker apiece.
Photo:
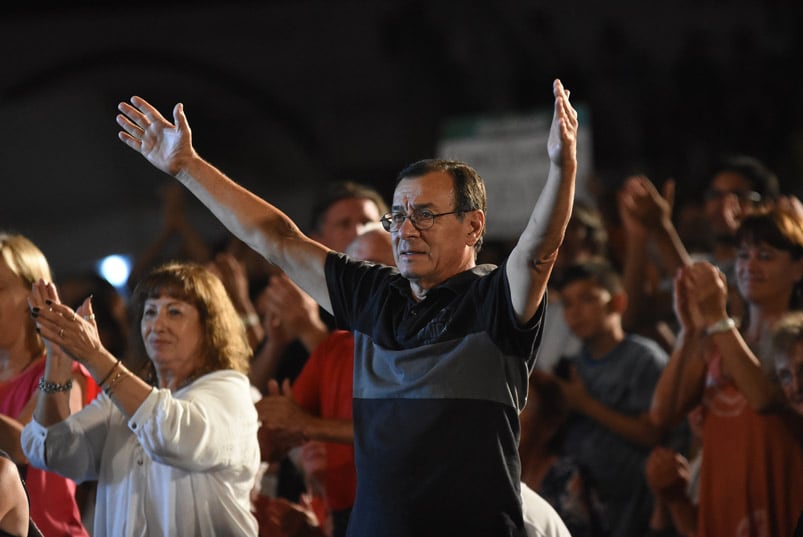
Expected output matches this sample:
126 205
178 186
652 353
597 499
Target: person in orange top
318 406
749 483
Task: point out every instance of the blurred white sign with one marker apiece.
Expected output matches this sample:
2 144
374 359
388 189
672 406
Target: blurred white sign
510 154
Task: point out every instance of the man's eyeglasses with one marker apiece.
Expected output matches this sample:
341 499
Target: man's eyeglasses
744 196
420 218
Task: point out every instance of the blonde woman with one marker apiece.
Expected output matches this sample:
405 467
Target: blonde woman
22 365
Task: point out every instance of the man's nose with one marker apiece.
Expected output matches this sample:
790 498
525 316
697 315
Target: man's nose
407 228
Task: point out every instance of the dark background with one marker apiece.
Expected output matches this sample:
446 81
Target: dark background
285 96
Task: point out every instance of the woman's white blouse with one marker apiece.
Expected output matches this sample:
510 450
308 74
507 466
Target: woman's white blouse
184 464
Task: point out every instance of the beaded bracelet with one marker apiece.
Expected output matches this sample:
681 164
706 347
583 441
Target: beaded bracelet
46 386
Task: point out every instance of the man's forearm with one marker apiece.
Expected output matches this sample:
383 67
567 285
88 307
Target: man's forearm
639 430
260 225
547 225
744 368
531 261
250 218
680 386
672 250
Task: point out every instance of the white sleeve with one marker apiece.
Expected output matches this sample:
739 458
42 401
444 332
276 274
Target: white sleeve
540 518
201 427
73 447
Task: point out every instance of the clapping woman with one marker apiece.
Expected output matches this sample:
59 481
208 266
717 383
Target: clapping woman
175 451
749 451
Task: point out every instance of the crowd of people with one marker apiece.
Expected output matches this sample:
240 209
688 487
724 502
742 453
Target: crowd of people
632 376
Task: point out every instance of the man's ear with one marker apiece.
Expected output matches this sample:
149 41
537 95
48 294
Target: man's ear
618 303
476 223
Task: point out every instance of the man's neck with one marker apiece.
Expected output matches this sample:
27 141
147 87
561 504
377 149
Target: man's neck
418 292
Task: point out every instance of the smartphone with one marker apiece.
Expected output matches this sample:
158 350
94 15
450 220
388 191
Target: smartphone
563 368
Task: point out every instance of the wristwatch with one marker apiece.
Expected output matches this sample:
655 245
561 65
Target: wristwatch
722 325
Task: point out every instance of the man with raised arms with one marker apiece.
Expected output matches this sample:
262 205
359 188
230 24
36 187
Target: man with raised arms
443 347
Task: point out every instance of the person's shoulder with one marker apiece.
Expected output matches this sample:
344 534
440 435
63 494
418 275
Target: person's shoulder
335 343
340 267
337 337
338 258
226 385
461 281
644 346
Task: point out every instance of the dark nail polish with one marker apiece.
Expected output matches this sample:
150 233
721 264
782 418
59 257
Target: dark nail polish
37 330
35 314
35 309
48 301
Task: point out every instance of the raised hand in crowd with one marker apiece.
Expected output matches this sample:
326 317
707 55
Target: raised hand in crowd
792 206
681 383
175 225
233 275
687 310
295 310
288 314
646 216
707 287
642 206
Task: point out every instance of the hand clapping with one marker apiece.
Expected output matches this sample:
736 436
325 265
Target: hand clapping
74 331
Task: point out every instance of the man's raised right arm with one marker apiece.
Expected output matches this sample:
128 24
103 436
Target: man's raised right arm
265 228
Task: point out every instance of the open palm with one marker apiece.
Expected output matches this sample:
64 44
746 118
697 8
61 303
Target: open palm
562 142
166 145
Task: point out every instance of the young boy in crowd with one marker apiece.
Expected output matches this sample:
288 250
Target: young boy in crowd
609 386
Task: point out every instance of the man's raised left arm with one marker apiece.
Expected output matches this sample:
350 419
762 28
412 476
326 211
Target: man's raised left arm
531 260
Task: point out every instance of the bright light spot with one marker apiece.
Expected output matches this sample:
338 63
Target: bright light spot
115 268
